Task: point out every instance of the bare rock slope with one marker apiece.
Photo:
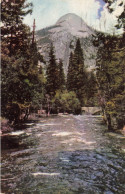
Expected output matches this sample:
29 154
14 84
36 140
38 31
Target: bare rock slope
64 35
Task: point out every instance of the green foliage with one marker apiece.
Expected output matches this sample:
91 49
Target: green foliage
79 72
91 91
70 74
66 102
21 82
111 78
52 74
76 76
78 79
111 71
14 32
61 76
22 79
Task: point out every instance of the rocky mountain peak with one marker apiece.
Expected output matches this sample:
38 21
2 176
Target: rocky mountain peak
70 18
74 24
64 35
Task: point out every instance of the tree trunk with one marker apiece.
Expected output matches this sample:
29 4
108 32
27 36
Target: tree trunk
109 122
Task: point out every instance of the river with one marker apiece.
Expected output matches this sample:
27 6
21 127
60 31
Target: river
64 154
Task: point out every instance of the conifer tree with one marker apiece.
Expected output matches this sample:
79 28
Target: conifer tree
110 72
52 73
91 90
14 32
111 79
61 76
80 75
70 74
92 85
76 78
20 75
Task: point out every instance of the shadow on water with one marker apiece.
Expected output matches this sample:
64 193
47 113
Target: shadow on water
24 125
12 140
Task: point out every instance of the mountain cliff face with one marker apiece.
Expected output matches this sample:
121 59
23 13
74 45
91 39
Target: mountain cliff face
64 35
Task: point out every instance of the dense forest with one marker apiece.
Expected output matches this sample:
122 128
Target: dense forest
111 73
26 87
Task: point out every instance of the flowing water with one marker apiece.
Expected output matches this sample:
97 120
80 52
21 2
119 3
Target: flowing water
64 154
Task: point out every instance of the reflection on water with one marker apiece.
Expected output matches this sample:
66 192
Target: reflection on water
64 155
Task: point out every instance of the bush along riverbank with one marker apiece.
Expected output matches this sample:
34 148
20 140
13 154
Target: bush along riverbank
7 127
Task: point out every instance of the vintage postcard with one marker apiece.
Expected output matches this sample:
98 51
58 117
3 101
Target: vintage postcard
63 96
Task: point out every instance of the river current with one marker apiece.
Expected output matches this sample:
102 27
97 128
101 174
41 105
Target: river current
63 154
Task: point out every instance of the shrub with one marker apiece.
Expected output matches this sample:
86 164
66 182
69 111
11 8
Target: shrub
5 127
66 102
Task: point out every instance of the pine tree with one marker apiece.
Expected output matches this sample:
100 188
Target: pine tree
77 76
20 73
70 74
52 74
92 85
35 75
14 32
91 90
80 75
110 72
61 76
111 79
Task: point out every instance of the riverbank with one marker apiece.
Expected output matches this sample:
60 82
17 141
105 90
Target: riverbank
7 128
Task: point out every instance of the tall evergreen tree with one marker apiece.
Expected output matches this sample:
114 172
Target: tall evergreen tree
110 71
80 76
20 76
111 79
91 90
76 78
70 74
52 73
92 85
14 32
61 76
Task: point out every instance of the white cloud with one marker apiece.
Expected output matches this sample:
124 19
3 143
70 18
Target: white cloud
47 12
88 10
108 20
118 9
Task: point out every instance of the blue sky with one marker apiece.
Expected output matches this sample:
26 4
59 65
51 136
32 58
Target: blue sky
47 12
93 12
102 3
